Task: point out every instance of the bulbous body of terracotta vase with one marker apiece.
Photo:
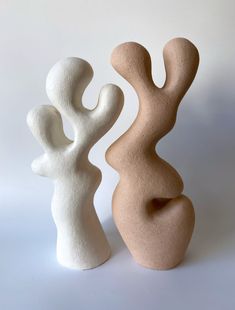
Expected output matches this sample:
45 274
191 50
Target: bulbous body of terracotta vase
81 242
153 217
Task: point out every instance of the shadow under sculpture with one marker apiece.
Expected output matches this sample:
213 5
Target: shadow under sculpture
153 217
81 242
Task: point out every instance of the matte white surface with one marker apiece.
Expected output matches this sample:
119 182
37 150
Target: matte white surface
81 242
33 36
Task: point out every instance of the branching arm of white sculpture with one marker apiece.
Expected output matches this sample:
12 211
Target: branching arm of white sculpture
81 242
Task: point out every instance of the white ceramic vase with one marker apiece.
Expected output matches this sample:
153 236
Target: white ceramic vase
81 242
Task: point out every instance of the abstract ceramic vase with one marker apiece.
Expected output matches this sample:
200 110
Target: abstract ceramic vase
81 242
153 217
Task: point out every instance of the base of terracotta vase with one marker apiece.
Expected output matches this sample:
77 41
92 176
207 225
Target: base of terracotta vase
158 267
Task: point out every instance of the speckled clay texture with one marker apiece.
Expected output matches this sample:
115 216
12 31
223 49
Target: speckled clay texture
153 217
81 242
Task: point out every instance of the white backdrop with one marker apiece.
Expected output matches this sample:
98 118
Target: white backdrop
36 34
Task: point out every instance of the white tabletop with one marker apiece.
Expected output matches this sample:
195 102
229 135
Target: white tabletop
31 278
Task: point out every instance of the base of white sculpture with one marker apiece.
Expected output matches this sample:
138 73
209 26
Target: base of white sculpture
73 262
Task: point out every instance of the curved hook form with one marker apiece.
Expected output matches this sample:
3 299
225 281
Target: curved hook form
155 220
81 242
45 122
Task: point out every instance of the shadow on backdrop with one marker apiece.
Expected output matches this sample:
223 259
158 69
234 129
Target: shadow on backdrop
115 241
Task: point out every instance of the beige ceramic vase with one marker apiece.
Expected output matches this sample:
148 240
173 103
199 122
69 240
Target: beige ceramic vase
153 217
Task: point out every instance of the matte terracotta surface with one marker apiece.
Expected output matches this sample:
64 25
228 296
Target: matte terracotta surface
154 219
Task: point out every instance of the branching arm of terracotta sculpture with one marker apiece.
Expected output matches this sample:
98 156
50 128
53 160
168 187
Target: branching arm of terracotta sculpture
181 60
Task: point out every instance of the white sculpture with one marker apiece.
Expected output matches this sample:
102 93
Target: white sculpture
81 242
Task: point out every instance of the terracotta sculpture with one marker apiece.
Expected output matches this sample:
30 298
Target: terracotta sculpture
154 219
81 242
